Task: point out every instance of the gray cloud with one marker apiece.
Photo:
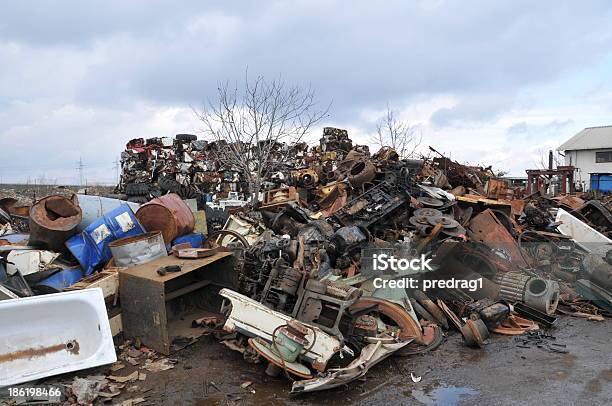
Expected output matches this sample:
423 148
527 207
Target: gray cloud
112 62
540 132
361 54
517 129
473 108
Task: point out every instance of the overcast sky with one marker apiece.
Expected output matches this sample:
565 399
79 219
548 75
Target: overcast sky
487 82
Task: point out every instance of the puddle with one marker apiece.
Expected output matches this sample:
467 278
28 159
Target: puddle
444 395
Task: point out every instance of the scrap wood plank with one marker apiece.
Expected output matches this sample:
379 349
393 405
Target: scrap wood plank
107 280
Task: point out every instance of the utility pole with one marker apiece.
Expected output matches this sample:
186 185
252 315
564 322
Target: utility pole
116 169
80 169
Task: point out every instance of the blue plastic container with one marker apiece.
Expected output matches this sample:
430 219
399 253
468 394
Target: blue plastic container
195 239
90 247
62 279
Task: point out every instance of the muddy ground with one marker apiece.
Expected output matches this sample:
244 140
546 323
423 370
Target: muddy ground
501 374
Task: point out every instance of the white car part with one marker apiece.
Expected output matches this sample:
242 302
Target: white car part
253 319
28 262
370 355
584 235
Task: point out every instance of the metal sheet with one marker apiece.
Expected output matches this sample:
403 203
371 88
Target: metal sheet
487 229
53 334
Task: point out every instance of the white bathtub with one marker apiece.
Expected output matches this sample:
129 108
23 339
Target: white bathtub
53 334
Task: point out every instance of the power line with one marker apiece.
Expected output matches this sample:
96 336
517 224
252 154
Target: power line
80 170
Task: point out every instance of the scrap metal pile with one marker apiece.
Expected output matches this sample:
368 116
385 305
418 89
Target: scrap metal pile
312 304
298 274
193 168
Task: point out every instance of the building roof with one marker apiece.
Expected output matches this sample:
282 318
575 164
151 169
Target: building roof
589 138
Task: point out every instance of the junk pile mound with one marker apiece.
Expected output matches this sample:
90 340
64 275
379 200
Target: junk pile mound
345 259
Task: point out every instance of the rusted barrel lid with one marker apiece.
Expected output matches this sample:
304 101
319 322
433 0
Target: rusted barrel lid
168 214
53 220
56 213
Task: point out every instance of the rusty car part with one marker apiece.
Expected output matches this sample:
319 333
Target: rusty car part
487 229
475 333
427 212
409 329
360 172
535 315
420 311
597 215
541 294
430 201
421 222
431 307
515 325
323 304
490 312
445 221
307 177
433 337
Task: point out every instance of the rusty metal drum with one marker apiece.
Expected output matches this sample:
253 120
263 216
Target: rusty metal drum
168 214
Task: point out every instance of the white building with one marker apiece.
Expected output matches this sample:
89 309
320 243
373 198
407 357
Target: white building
590 151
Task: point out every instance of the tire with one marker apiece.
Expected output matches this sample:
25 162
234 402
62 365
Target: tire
186 192
137 199
167 184
185 137
136 189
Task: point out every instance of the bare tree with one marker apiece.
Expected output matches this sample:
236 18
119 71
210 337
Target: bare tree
397 134
545 159
249 124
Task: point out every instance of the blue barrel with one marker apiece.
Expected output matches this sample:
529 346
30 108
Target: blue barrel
93 207
90 247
